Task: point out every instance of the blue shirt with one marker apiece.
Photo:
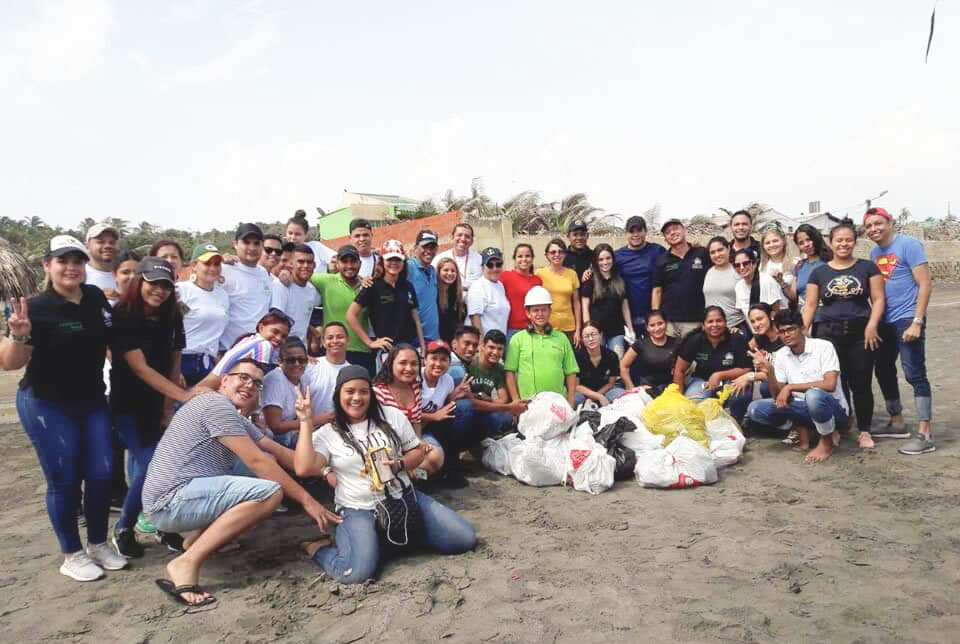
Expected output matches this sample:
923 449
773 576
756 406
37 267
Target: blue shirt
803 272
638 268
896 263
424 281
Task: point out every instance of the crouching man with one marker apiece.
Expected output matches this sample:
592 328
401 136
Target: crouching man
805 382
188 484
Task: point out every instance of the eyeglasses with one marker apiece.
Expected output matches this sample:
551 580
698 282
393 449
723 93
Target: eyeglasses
742 264
556 251
293 361
246 380
272 250
590 336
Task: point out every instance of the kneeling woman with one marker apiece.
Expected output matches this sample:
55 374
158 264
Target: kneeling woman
367 501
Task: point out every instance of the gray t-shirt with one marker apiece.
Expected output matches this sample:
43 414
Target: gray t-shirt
190 448
719 290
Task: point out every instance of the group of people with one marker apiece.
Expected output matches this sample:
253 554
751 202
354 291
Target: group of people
226 380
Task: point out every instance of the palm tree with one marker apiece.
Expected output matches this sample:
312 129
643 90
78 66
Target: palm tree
33 222
86 224
478 204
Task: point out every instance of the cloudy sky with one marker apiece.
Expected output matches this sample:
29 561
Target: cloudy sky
200 113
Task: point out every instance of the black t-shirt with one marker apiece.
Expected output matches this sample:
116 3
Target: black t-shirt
69 346
844 294
578 261
450 319
129 394
754 244
731 353
654 364
682 282
606 311
389 309
768 345
595 377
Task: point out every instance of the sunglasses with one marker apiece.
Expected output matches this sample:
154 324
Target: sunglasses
557 251
272 250
494 264
742 264
293 361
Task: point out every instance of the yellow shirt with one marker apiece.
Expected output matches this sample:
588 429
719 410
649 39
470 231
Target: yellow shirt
562 286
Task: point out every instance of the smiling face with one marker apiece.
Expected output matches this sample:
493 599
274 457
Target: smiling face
636 237
879 229
335 341
249 249
426 253
437 363
171 255
715 324
349 267
773 246
466 346
242 386
759 321
492 269
842 241
741 227
295 233
303 265
719 254
103 248
556 255
675 234
448 272
275 333
578 239
208 273
393 266
805 244
605 262
492 352
744 265
66 272
272 254
462 240
539 315
124 274
405 366
294 363
656 327
355 399
523 259
155 293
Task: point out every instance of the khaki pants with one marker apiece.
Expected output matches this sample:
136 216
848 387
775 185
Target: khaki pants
682 329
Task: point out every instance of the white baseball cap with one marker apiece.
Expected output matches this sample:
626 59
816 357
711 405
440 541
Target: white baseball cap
60 245
98 229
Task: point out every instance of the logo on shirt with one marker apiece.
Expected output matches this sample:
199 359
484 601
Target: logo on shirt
728 359
697 264
887 264
107 317
844 286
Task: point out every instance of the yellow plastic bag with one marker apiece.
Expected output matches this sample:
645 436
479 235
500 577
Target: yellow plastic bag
672 415
712 408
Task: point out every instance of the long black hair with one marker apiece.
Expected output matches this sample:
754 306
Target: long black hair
341 422
606 287
385 375
819 247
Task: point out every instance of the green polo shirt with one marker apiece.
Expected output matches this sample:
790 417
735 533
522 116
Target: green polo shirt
337 297
541 362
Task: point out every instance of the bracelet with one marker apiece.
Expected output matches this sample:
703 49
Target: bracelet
20 339
751 376
325 472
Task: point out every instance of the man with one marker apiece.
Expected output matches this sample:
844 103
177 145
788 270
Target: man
447 411
579 256
637 263
102 243
804 379
466 339
423 276
678 284
299 298
272 254
906 278
338 291
468 261
361 237
493 409
189 486
322 375
540 358
741 227
247 283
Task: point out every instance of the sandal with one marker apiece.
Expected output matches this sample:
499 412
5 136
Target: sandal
177 592
793 438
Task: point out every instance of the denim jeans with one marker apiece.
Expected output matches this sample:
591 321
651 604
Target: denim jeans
73 444
201 501
196 366
818 407
913 359
140 454
612 394
455 435
359 546
736 404
617 344
488 423
856 365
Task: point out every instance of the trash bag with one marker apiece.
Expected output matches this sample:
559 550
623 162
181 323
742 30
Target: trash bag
590 418
641 440
683 463
548 415
625 461
726 438
673 415
496 455
632 402
540 463
589 467
610 434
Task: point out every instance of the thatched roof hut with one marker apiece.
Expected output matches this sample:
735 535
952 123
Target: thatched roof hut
17 277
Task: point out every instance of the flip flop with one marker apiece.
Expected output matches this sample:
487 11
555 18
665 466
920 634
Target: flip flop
177 592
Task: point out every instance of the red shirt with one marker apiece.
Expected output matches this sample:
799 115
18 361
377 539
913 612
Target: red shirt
516 285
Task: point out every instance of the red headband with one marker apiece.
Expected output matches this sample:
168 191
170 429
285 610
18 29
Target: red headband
877 211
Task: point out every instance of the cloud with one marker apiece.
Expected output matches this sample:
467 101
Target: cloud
237 61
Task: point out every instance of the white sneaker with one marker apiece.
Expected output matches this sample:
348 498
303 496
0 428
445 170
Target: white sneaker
78 565
105 557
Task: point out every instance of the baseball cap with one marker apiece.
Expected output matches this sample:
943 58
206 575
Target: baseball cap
426 237
670 222
352 372
392 249
204 252
60 245
155 269
245 230
635 222
577 225
348 250
359 223
877 211
435 346
490 253
98 229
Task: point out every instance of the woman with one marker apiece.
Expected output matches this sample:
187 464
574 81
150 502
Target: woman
719 285
776 259
765 338
124 270
447 412
604 300
754 286
169 251
397 386
205 305
390 302
516 283
721 358
563 285
337 450
852 301
487 303
262 347
599 367
649 361
148 338
66 418
297 231
450 303
280 387
813 253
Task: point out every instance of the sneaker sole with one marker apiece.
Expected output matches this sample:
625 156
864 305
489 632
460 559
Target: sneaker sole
925 450
122 566
892 435
66 572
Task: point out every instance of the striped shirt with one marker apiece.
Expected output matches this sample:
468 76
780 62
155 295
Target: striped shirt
190 448
414 412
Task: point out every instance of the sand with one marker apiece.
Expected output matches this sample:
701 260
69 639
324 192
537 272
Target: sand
862 549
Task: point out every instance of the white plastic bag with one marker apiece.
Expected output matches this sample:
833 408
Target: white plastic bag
590 467
632 402
540 463
656 468
683 463
548 415
496 456
642 440
726 441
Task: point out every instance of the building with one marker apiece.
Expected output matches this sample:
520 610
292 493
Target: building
379 209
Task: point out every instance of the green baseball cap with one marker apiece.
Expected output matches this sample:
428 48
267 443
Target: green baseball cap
204 252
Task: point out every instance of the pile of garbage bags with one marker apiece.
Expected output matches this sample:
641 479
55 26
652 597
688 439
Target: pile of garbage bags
669 442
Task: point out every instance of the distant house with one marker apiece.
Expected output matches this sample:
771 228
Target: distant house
822 221
380 209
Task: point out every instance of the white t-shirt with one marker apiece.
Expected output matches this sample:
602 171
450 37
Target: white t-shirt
353 485
249 288
298 302
101 279
322 255
719 289
770 292
433 398
367 264
322 379
204 317
278 391
470 266
489 300
818 358
771 268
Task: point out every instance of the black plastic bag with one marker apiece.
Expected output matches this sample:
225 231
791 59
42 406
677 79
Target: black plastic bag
609 435
626 460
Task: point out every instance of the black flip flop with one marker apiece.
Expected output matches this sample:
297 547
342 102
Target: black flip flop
177 592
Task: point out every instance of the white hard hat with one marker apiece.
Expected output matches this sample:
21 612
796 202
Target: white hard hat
537 295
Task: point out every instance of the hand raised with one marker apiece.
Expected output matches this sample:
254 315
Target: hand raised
303 406
19 320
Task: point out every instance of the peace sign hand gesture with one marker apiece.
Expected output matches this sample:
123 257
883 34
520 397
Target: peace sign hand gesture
19 320
304 406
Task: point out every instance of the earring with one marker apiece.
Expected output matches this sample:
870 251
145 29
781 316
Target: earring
193 277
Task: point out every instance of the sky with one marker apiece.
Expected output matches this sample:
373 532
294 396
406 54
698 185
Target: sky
200 114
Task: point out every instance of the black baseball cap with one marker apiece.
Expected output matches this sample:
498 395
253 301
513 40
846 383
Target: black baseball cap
155 269
360 223
245 230
670 222
577 225
348 250
635 222
426 237
490 253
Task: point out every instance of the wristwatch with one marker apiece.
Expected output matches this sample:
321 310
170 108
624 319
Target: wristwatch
325 472
918 320
20 339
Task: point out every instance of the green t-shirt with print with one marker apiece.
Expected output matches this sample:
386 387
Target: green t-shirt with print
337 297
486 380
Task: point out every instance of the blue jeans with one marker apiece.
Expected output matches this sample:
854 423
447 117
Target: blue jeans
818 407
913 358
617 344
196 366
363 358
140 455
736 404
455 435
612 394
201 501
73 444
488 423
359 546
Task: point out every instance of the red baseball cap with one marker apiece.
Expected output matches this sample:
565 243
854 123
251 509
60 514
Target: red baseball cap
438 345
877 211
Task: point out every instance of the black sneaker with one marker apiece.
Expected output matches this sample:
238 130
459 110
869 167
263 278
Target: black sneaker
455 479
116 503
173 542
125 541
